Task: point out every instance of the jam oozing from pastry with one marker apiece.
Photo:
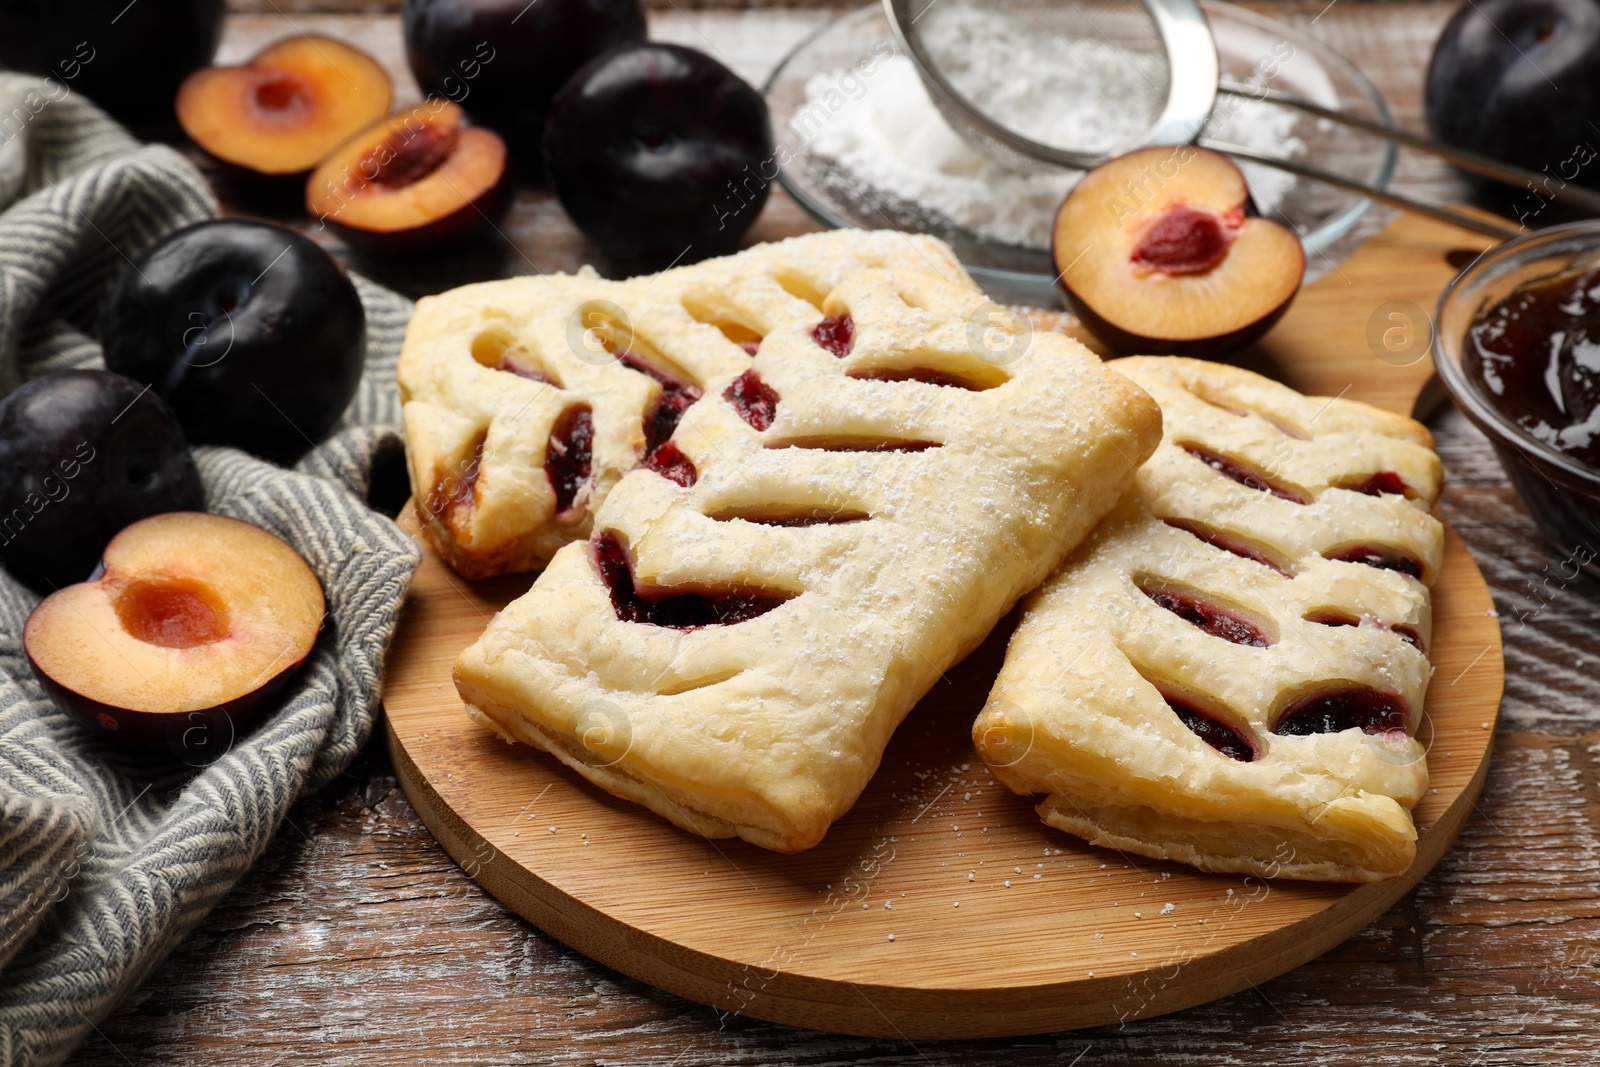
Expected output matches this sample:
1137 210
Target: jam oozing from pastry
1213 731
1353 708
1382 558
1381 483
1532 356
1208 617
836 333
676 396
1236 545
750 347
672 465
1229 468
754 400
663 607
569 455
918 374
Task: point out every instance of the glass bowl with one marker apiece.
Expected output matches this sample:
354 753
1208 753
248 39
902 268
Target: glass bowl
860 40
1559 491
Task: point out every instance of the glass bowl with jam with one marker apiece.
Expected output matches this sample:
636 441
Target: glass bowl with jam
1517 346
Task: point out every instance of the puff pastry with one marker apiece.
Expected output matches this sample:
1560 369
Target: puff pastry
526 400
823 536
1231 670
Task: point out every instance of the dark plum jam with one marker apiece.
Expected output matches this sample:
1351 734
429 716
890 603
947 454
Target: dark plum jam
1536 356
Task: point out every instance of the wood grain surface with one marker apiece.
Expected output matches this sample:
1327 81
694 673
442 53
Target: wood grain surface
357 941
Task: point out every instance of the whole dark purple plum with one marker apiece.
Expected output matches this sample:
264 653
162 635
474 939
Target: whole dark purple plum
1519 80
660 153
251 332
128 58
84 453
503 60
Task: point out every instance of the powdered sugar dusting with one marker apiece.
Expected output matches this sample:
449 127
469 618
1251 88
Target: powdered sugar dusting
891 141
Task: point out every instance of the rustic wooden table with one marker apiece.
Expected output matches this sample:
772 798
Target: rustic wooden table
356 940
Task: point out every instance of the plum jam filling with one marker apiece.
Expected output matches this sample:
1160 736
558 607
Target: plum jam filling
795 518
672 465
1237 546
836 334
1208 617
662 607
1213 731
856 444
408 155
1237 471
1183 241
1410 635
569 455
1383 559
676 396
1381 483
754 400
171 612
522 370
918 374
1331 617
1355 708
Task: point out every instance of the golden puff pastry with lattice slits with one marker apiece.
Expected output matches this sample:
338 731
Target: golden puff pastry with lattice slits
526 400
1231 670
825 534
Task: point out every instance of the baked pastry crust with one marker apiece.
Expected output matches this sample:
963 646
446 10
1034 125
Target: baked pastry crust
1080 711
924 511
489 371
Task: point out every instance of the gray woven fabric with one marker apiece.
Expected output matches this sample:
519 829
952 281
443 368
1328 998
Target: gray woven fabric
107 859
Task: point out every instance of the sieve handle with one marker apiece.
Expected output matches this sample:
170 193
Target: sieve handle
1470 161
1503 230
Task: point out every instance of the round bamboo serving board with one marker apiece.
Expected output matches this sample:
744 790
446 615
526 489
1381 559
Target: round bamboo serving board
940 906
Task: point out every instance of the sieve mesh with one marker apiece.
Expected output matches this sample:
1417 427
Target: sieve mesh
1059 82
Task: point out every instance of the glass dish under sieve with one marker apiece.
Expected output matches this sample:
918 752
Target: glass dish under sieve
861 39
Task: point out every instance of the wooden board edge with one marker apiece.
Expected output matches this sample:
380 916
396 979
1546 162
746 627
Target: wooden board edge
880 1012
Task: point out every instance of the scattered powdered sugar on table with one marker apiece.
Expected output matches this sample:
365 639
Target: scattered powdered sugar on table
892 142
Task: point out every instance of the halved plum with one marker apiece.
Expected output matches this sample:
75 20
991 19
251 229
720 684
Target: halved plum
287 108
194 619
1159 252
416 180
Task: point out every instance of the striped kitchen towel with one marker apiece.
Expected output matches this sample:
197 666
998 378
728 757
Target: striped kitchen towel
108 859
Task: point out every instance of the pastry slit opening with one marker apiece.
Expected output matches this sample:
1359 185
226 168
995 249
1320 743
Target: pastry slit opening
1209 724
1231 543
791 515
1345 707
1243 473
677 609
1206 614
569 456
855 443
1382 557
